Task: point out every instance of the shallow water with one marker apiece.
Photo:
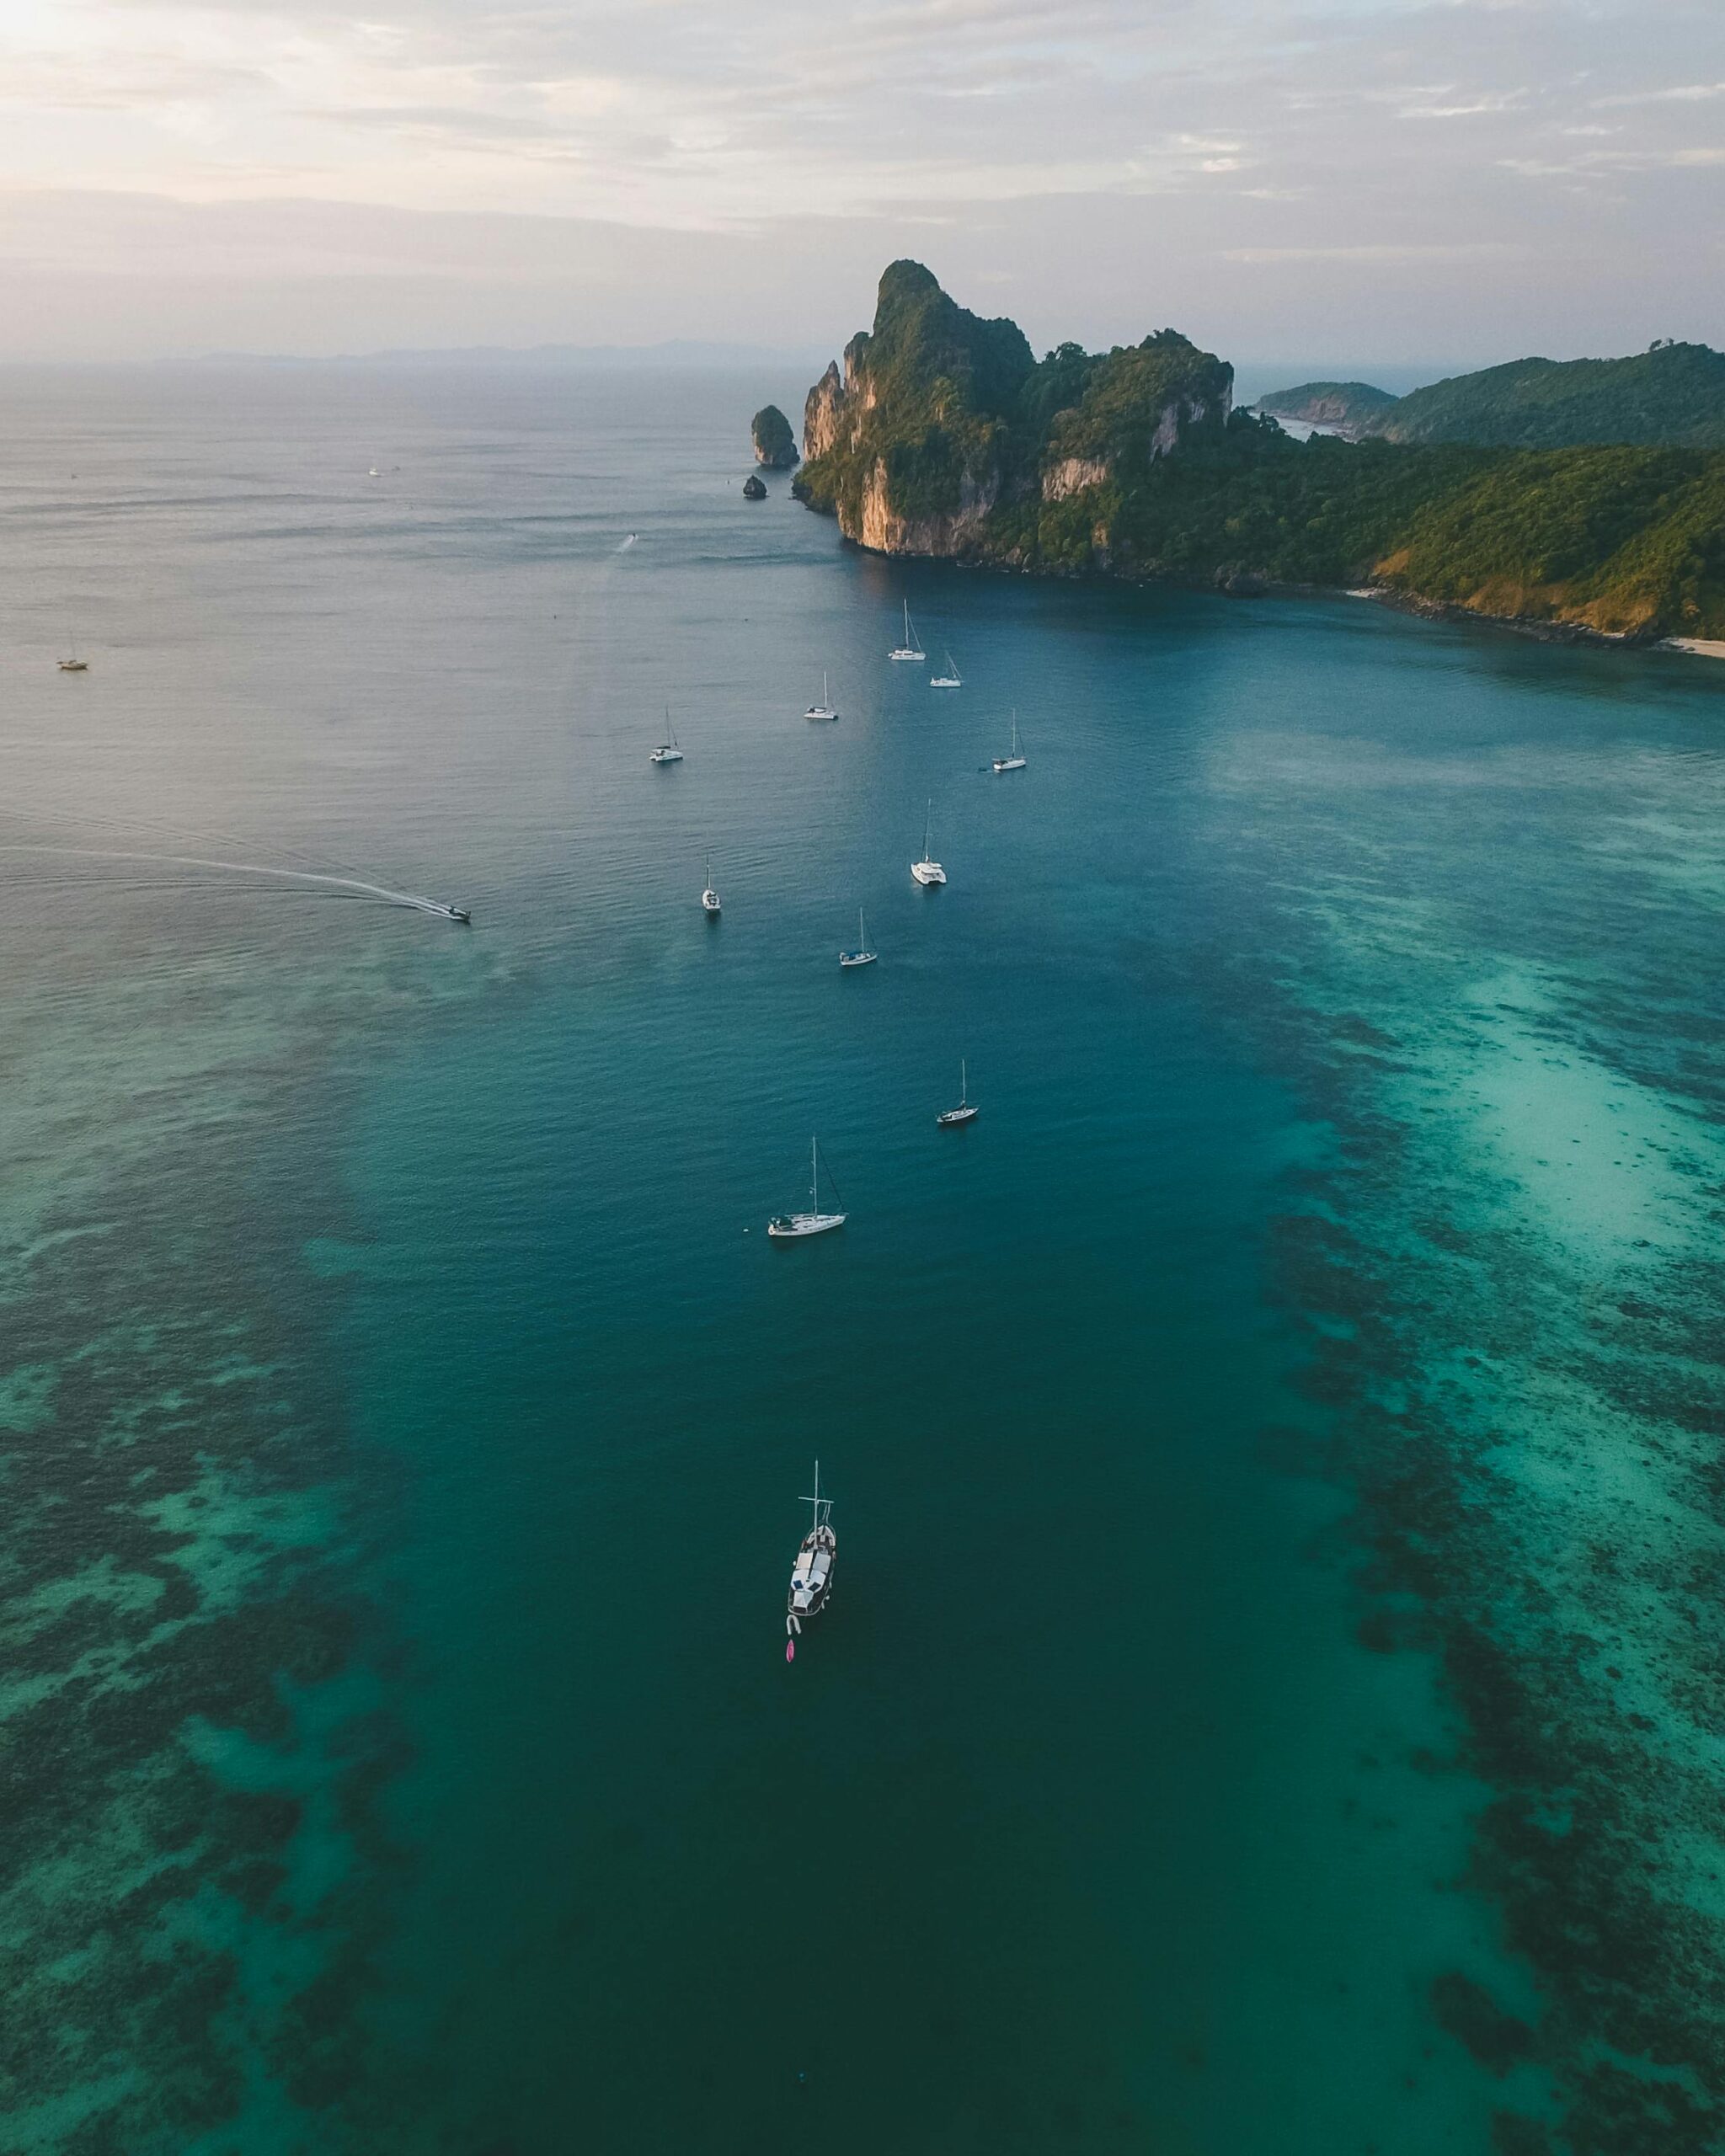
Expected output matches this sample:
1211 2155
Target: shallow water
1268 1700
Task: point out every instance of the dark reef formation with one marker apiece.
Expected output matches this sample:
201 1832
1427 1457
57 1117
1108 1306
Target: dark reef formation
942 434
754 488
775 444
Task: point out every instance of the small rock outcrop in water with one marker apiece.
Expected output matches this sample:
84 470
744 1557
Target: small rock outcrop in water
754 487
775 444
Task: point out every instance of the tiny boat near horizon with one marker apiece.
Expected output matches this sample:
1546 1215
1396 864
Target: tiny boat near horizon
909 648
1015 759
823 709
786 1227
861 956
811 1575
668 751
709 897
966 1111
928 871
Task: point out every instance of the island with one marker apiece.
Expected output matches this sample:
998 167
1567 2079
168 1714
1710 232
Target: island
1350 409
775 444
941 435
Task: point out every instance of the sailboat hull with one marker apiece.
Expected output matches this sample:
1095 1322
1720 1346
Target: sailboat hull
1009 763
928 872
793 1226
857 958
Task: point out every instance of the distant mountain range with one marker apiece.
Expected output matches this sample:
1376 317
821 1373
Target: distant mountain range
943 435
1671 397
675 353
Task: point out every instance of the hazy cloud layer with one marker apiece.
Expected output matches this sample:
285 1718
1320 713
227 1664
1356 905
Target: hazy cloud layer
1443 181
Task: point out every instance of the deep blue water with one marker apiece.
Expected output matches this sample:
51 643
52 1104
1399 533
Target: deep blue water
409 1414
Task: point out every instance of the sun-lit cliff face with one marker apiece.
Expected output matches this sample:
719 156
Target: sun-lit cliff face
939 417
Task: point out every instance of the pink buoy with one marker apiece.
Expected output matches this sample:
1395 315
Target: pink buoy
790 1650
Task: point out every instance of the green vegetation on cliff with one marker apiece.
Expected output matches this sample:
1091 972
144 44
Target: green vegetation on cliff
1353 405
939 414
943 436
1672 397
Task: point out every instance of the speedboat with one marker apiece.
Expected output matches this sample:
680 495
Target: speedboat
462 915
965 1111
928 871
788 1227
823 709
811 1575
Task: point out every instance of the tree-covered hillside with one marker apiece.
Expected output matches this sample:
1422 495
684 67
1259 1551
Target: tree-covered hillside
1672 397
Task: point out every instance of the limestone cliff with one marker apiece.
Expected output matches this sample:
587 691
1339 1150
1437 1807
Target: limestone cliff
937 417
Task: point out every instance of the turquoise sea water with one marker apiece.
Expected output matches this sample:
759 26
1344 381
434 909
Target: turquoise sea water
1268 1703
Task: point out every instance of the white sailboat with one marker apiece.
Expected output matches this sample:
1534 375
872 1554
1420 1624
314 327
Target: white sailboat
950 679
1016 760
667 752
786 1226
966 1111
928 870
72 663
909 648
709 897
861 956
823 709
811 1575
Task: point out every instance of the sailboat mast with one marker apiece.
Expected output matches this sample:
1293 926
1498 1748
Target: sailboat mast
813 1176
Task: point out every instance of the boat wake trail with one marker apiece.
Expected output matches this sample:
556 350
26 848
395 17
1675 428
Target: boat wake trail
413 900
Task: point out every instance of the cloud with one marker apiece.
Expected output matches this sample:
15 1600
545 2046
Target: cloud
1372 132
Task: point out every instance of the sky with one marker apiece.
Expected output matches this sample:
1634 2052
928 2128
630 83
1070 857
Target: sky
1344 181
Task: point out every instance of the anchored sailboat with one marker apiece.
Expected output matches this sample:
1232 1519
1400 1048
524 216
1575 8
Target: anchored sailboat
667 752
861 956
950 679
823 709
1015 759
709 897
909 648
966 1111
785 1226
811 1575
928 870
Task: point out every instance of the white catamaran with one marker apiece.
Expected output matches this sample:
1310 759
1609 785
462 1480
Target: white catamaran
783 1227
928 870
909 648
1015 759
709 897
966 1111
823 709
811 1575
667 752
950 679
861 956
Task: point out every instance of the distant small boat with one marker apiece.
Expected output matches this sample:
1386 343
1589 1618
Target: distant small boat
785 1227
950 1119
74 665
374 473
861 956
811 1575
1015 761
823 709
460 914
928 870
709 897
667 752
909 648
950 679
